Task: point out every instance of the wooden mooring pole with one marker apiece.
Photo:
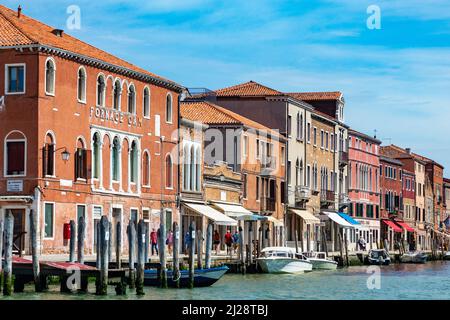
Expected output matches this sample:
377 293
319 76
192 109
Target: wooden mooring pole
105 240
176 255
110 242
118 245
241 249
209 233
250 243
191 254
98 247
147 241
73 241
296 241
34 250
162 249
199 250
131 232
141 258
7 272
346 250
341 247
81 237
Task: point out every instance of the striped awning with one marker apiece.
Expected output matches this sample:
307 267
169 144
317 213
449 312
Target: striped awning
338 219
306 215
212 214
238 212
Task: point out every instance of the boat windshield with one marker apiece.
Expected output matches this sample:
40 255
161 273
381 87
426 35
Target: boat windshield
268 254
379 254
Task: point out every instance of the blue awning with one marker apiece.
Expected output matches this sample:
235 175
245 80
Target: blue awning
348 218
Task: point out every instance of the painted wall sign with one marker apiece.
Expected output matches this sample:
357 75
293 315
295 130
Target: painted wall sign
115 116
14 186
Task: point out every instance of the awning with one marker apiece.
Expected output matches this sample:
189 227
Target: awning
238 212
276 222
212 214
349 219
391 224
338 219
306 215
405 226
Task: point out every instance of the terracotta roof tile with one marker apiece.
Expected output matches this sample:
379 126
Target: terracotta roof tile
26 31
248 89
316 96
209 113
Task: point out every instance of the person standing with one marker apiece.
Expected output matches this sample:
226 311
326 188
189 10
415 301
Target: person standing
187 242
169 241
154 242
228 241
235 241
216 241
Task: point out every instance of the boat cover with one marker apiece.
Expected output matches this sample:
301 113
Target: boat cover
306 215
211 213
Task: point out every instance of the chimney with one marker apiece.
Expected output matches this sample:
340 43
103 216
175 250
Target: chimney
58 32
19 11
408 150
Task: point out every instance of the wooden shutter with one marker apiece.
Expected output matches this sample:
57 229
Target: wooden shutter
88 163
50 148
44 160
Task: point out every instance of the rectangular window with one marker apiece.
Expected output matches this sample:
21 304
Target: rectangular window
245 151
49 220
169 220
326 140
15 158
134 216
289 126
244 185
257 188
308 132
283 155
47 159
308 176
322 142
332 142
15 79
315 136
81 212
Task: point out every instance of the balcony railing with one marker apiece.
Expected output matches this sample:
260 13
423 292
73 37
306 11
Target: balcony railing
302 193
344 199
343 158
327 196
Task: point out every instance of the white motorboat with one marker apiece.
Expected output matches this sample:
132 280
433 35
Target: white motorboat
320 261
414 257
283 260
379 257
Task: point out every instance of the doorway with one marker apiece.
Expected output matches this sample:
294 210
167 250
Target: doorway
19 230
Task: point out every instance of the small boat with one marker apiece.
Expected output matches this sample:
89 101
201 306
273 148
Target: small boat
414 257
379 257
202 277
447 255
283 260
319 261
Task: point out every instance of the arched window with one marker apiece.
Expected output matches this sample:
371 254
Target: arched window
48 156
199 169
15 154
146 169
169 108
50 70
169 172
96 156
115 159
82 85
117 95
132 100
301 173
193 169
187 167
133 162
146 103
101 87
301 126
81 160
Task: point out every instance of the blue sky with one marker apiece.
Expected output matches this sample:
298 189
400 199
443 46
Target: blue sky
395 80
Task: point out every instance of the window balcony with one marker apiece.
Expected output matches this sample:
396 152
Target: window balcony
343 158
302 193
268 204
327 196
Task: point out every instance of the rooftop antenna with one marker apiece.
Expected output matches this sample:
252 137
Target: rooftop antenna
375 135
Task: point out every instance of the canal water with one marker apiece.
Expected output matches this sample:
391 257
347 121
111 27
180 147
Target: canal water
396 282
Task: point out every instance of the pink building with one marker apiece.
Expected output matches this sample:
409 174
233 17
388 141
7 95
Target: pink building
364 185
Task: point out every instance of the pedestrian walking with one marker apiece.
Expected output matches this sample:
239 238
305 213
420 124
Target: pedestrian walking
154 242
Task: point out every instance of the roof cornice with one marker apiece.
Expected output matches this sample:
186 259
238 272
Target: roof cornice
100 64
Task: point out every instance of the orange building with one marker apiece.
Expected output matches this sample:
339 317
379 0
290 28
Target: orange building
84 134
